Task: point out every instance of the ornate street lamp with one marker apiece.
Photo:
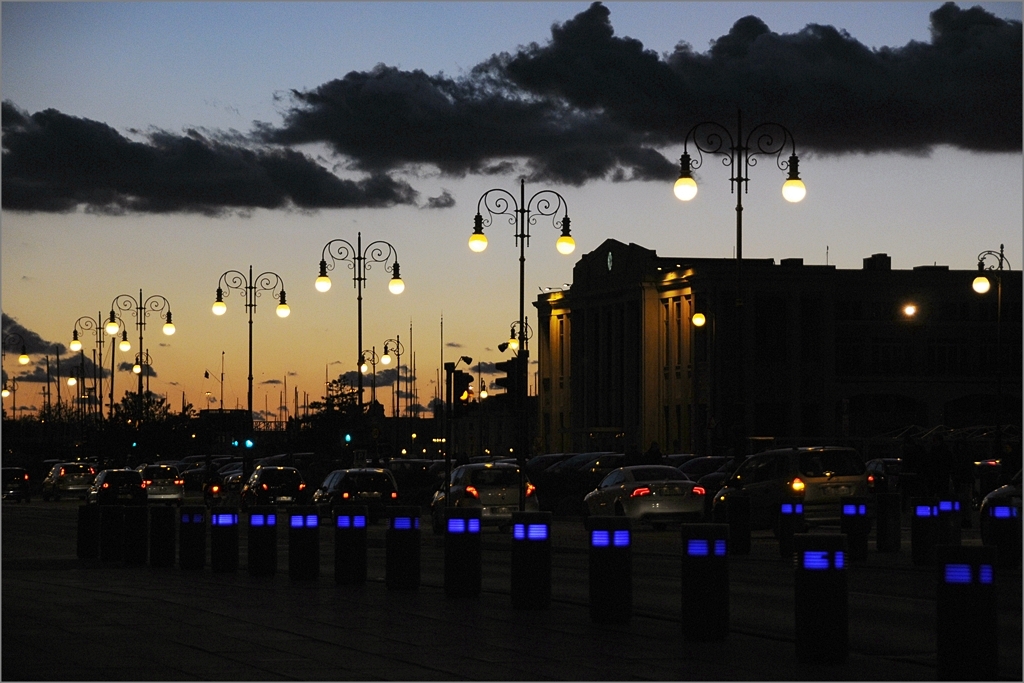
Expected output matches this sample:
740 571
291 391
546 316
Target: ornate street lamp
87 324
394 346
251 288
16 340
359 260
982 285
140 308
739 154
522 214
368 360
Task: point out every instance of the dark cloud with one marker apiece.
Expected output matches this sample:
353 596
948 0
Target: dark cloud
443 201
53 162
586 105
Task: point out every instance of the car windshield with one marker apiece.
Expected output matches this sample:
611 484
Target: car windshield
494 476
830 464
280 477
657 474
366 481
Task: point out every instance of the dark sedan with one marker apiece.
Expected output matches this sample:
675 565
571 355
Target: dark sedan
274 485
117 487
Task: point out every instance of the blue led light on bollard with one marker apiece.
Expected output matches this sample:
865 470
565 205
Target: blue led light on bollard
135 534
821 598
262 541
966 633
790 522
611 569
705 581
949 523
192 537
531 560
88 545
402 548
1002 525
350 544
303 543
162 536
856 524
924 530
224 540
889 528
462 552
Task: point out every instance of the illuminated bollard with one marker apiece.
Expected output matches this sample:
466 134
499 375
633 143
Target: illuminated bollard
924 530
462 570
705 581
966 639
1004 533
611 569
162 536
261 539
531 560
791 521
224 539
135 534
303 543
821 598
888 535
738 511
402 548
855 524
88 545
949 523
192 537
350 544
112 533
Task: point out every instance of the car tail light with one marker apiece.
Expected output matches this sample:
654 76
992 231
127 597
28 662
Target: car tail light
871 480
530 488
797 485
699 491
394 495
144 484
106 485
640 491
147 482
91 471
471 492
26 476
265 487
62 471
214 489
179 482
345 495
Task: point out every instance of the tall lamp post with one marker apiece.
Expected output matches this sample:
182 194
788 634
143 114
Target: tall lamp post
522 214
981 285
359 260
85 324
140 308
11 389
449 373
114 325
17 341
739 154
251 288
368 362
394 346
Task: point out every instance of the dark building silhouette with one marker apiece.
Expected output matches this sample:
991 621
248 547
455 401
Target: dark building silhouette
812 353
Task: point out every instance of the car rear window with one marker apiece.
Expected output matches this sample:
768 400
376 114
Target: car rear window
504 476
657 474
274 477
127 477
366 481
159 472
77 468
831 463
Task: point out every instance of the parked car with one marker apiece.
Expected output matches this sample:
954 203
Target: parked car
492 487
586 477
884 475
372 487
163 484
68 479
16 484
698 467
554 483
538 463
414 479
1008 495
223 490
117 487
648 493
712 482
822 476
272 486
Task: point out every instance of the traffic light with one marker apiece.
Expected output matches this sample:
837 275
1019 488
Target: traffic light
510 368
461 383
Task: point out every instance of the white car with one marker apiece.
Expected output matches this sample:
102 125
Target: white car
648 493
492 487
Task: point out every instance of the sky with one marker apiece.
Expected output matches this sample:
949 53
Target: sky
153 146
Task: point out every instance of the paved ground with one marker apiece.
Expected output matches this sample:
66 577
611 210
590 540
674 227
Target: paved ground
71 619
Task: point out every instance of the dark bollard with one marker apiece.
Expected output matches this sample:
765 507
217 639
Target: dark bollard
705 582
791 521
162 541
192 537
855 524
350 544
949 523
924 530
966 639
112 533
888 536
462 560
262 541
303 543
402 548
224 539
88 546
611 569
1003 531
531 560
738 511
135 532
821 599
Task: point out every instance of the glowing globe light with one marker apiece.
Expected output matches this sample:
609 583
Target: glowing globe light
794 190
981 284
396 285
698 320
219 307
685 188
477 242
565 245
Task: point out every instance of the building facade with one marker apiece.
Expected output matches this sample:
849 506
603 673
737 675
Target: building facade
787 351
